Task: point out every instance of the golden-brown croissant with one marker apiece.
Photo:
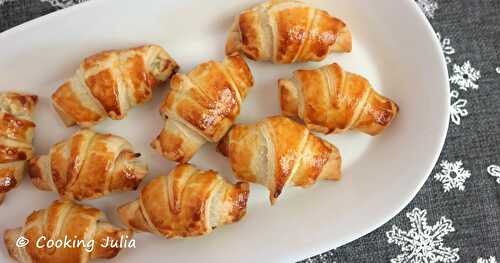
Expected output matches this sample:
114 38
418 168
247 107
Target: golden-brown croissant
107 84
278 152
201 106
89 235
288 31
87 166
331 100
16 136
187 202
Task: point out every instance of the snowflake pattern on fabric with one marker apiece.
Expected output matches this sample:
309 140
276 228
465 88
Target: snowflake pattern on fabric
63 3
452 175
465 76
446 47
457 108
429 7
423 243
487 260
498 70
494 170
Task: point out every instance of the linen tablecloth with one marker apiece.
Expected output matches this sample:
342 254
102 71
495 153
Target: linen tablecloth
456 215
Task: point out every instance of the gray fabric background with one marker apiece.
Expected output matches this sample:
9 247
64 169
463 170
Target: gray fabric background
473 26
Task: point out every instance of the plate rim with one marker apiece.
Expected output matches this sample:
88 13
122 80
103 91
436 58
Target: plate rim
313 249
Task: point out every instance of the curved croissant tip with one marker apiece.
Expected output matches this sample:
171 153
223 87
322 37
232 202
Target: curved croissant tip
233 42
124 211
397 111
35 172
130 215
289 102
10 236
34 98
223 145
273 196
344 41
239 200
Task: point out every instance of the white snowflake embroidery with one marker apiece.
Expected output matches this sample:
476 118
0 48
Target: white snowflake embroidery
486 260
423 243
446 47
494 170
457 108
498 70
63 3
465 76
428 7
452 175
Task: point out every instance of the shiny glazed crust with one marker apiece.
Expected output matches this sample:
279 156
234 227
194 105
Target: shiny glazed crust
277 152
65 218
188 202
16 136
287 31
201 106
88 165
331 100
109 83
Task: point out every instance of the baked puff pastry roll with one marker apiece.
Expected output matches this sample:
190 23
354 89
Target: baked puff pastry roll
88 165
16 136
331 100
188 202
109 83
279 152
287 31
201 106
87 229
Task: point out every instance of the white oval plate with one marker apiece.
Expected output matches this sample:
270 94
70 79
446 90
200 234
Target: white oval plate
394 46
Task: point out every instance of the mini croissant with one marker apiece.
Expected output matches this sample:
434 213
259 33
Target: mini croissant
91 236
187 202
331 100
16 136
287 31
201 106
109 83
87 166
278 152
